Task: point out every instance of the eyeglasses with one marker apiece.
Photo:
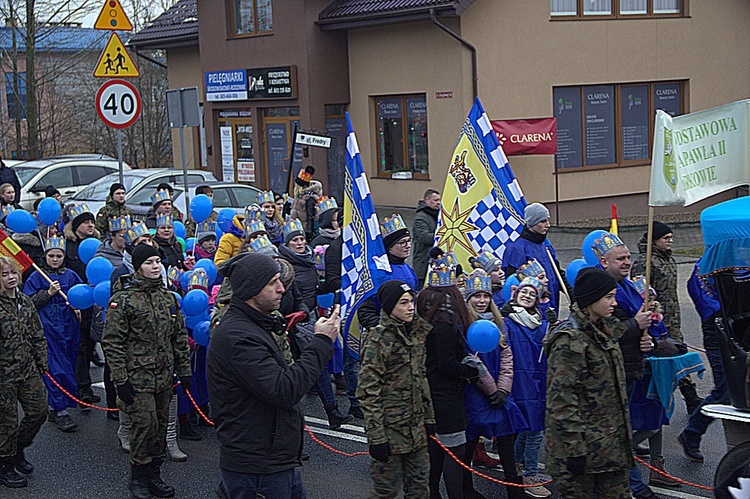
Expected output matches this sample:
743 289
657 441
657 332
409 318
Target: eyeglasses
404 243
668 238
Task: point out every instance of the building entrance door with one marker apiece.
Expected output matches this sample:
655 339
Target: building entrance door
237 150
277 134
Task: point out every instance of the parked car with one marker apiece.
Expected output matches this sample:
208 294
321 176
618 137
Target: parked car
139 184
226 195
69 174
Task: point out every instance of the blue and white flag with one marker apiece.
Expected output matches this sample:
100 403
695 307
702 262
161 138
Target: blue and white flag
364 264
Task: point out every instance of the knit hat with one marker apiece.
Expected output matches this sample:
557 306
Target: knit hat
392 229
50 191
390 292
80 213
141 253
535 213
660 230
114 187
591 285
201 189
164 186
250 273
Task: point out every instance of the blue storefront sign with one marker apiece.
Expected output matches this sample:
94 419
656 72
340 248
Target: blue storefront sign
226 85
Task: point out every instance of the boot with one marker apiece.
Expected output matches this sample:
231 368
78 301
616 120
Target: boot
340 383
175 453
335 418
156 485
139 474
9 476
356 412
655 478
22 465
480 457
123 432
692 400
187 431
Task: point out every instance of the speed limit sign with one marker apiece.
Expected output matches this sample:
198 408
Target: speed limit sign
118 103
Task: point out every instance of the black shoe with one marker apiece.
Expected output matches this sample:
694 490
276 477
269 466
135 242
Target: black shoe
11 479
113 415
304 456
692 400
335 418
156 485
139 481
356 412
646 493
86 395
22 465
66 423
187 432
642 449
52 416
691 449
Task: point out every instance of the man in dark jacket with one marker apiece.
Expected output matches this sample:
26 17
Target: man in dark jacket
423 233
254 392
8 176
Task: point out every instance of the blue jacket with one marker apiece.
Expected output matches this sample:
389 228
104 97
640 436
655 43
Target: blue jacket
529 370
522 250
703 295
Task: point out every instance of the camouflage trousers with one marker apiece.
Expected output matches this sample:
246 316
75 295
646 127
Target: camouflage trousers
149 414
611 485
32 396
412 470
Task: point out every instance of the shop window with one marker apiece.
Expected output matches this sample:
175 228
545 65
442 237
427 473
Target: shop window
16 100
251 17
610 125
402 136
616 9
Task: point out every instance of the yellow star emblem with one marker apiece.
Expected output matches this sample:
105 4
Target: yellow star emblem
454 229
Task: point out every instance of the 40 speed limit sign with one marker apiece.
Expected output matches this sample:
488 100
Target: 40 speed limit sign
118 103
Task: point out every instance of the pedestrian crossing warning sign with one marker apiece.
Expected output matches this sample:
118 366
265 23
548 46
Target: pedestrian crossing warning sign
112 17
115 61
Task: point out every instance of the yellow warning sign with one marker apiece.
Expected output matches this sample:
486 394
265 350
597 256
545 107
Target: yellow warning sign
115 61
113 17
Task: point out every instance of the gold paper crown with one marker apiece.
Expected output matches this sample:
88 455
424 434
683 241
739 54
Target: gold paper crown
175 275
252 212
606 243
119 223
78 209
160 196
532 268
293 225
7 210
306 174
534 283
198 280
390 225
325 204
164 221
54 243
640 285
478 281
442 272
205 229
486 261
135 231
265 197
254 227
262 245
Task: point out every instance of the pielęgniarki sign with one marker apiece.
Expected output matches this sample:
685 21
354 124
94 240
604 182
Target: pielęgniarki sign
532 136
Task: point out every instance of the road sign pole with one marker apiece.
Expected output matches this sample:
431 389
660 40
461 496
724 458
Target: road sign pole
184 168
119 156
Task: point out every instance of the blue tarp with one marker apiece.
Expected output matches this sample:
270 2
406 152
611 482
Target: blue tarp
726 234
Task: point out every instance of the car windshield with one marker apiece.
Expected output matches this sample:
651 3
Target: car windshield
99 190
25 174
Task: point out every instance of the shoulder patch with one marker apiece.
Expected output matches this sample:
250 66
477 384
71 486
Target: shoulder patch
113 304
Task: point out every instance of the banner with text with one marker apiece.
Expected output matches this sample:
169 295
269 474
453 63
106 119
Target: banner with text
534 136
700 154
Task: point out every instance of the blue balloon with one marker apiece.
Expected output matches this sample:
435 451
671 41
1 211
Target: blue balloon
49 211
483 336
20 221
571 271
81 296
179 229
192 321
587 248
102 293
87 248
195 302
202 333
326 301
99 269
184 282
190 243
179 298
201 207
224 220
509 283
209 266
219 233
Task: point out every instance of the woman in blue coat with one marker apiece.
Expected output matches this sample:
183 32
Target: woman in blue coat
61 326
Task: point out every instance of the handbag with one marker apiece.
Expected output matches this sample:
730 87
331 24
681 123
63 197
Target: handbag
735 367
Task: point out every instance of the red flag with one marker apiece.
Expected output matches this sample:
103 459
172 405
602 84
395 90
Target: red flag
9 248
534 136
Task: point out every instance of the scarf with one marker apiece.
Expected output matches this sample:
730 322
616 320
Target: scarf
523 317
329 233
534 237
305 259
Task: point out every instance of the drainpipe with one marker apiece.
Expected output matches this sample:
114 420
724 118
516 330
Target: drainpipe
466 44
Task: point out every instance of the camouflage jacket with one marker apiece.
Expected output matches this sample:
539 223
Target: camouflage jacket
23 348
664 282
393 389
110 210
145 340
587 402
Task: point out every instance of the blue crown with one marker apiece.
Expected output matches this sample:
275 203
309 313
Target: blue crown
54 243
119 223
478 281
7 210
262 245
254 227
534 283
390 225
442 272
293 225
175 275
160 196
135 231
198 280
265 197
640 285
253 212
325 204
532 268
164 221
78 209
205 229
486 261
606 243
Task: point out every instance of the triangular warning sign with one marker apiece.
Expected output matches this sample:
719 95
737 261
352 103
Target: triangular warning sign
115 61
113 17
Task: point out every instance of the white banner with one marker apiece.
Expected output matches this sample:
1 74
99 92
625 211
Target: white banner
700 154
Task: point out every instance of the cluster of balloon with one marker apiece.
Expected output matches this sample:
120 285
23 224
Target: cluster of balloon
483 336
195 302
201 333
87 249
201 207
99 269
209 266
81 296
102 293
48 212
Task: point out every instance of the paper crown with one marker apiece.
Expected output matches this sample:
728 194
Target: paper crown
7 210
319 255
442 272
293 225
254 227
198 280
78 209
390 225
606 243
305 176
175 275
325 204
534 283
204 230
486 261
265 197
253 212
54 243
164 221
160 196
532 268
478 281
640 285
135 231
119 223
262 245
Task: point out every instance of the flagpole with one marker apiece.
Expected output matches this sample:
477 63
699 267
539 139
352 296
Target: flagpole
557 273
649 241
46 278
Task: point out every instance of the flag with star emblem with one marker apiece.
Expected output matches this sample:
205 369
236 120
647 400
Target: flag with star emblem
482 206
364 264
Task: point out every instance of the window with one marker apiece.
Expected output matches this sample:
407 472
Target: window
616 9
221 198
59 177
89 174
610 125
251 17
245 196
402 136
16 100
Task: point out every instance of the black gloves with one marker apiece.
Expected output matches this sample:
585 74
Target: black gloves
551 315
507 309
430 429
126 392
577 465
186 382
498 398
381 452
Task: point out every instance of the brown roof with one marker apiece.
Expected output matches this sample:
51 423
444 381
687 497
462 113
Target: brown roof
344 14
176 27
